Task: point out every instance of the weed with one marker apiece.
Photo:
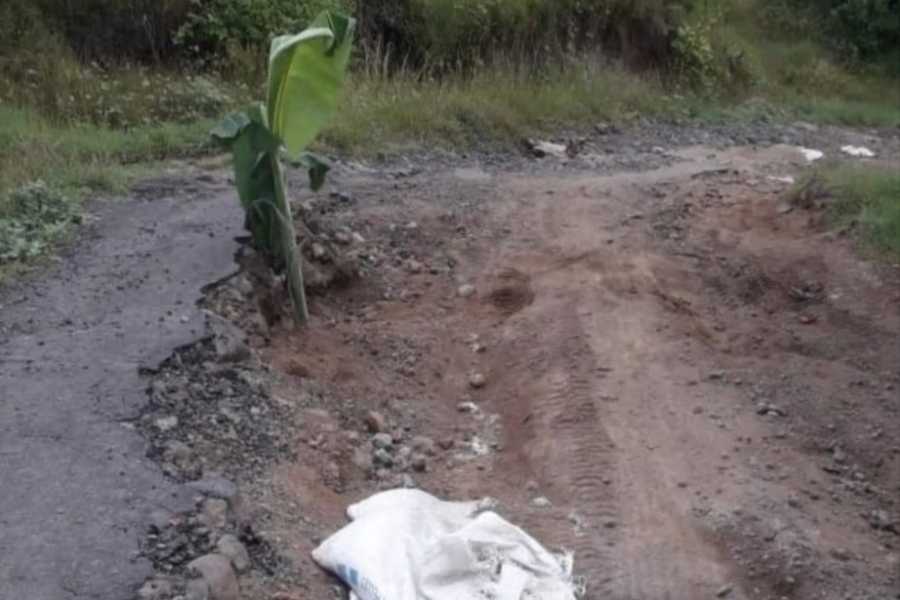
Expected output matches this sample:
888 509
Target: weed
861 197
33 217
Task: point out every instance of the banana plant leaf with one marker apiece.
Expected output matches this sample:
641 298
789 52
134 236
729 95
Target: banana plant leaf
306 74
253 147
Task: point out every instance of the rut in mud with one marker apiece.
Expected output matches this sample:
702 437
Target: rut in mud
701 384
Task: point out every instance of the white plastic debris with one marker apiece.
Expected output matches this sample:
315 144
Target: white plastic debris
408 545
859 151
811 155
542 148
782 179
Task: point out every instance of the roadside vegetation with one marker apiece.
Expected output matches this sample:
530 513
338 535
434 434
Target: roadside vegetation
91 92
863 200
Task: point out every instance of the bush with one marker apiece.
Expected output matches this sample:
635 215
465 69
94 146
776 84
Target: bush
446 34
116 29
858 30
34 217
213 26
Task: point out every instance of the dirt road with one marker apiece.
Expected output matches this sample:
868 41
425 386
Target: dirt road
642 353
702 382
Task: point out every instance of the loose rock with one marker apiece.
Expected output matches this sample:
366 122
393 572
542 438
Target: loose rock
375 422
541 502
166 423
466 291
419 462
382 440
155 589
230 547
215 513
216 487
477 381
423 445
724 591
216 571
383 458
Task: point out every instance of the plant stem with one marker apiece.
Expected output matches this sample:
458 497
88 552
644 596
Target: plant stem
292 256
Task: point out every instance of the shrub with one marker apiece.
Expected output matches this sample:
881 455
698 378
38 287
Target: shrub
858 30
212 26
35 215
446 34
116 29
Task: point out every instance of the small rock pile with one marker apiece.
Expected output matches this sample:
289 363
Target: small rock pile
393 455
198 555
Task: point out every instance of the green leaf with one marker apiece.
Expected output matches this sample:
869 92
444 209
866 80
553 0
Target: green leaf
316 167
306 74
254 147
230 127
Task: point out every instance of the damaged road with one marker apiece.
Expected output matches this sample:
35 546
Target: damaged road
76 487
630 345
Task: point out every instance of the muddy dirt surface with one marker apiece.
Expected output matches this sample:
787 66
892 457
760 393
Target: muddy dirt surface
639 350
659 366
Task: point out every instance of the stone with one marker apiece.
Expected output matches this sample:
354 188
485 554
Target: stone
382 440
216 487
217 572
423 445
318 251
155 589
166 423
466 290
343 237
229 341
215 513
413 266
362 458
230 547
839 456
383 458
724 591
375 422
541 502
176 452
197 589
477 381
841 554
419 462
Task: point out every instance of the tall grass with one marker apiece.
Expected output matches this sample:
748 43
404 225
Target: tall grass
497 105
862 197
76 156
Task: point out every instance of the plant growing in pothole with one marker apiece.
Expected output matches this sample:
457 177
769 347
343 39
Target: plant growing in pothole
306 74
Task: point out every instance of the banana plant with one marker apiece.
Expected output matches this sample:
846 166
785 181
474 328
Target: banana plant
306 75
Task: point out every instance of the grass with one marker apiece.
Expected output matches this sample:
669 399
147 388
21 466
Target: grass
494 107
72 162
862 197
83 157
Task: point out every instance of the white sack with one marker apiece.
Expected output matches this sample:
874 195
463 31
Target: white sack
408 545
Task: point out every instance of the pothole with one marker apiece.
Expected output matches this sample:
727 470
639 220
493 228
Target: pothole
512 293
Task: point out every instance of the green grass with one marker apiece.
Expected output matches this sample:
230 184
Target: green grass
862 197
74 161
494 107
801 79
83 156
